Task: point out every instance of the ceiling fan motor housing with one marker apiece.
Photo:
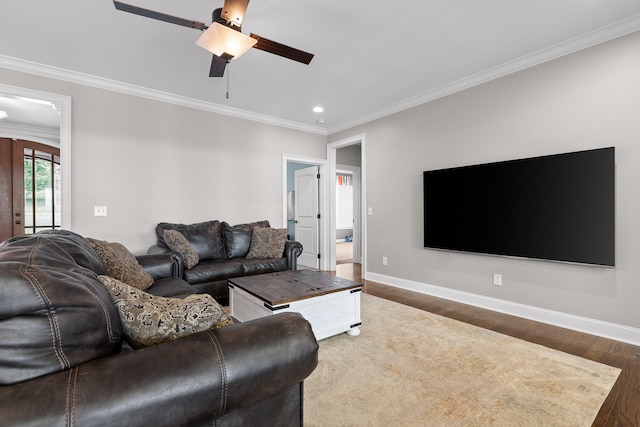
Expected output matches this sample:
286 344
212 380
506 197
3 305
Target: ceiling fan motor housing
216 16
233 12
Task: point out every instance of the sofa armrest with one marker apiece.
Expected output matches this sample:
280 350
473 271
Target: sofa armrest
157 249
161 265
190 381
292 251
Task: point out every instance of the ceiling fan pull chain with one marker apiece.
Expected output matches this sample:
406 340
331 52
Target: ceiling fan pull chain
228 73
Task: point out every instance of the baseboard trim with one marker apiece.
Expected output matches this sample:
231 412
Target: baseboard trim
577 323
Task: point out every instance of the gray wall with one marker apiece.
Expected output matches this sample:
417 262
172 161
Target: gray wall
586 100
150 161
350 155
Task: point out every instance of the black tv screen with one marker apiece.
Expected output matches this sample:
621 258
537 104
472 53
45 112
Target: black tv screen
559 207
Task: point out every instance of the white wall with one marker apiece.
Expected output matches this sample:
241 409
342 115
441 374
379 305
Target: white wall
149 161
586 100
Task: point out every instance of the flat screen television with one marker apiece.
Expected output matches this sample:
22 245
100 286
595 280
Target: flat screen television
559 207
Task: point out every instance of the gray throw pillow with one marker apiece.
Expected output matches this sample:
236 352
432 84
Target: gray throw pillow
267 243
176 241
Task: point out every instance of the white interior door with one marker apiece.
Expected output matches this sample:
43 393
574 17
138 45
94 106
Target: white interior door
306 216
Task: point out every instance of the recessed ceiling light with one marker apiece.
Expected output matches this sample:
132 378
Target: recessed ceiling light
3 114
318 109
320 121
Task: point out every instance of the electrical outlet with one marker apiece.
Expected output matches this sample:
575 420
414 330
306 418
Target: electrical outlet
99 211
384 260
497 279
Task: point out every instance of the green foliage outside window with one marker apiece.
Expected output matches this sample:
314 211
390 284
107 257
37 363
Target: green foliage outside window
42 175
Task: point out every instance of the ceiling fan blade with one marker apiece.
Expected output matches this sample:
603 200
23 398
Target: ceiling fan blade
233 11
281 50
159 16
218 65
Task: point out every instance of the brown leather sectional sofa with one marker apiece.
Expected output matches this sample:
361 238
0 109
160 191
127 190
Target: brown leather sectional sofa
63 361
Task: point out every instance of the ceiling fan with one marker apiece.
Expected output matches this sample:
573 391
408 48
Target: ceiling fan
224 37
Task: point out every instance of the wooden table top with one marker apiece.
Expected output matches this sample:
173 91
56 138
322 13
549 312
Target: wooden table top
292 285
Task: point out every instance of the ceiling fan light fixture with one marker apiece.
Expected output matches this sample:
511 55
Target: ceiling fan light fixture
220 39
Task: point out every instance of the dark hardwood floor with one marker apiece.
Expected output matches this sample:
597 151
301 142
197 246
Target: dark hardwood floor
622 406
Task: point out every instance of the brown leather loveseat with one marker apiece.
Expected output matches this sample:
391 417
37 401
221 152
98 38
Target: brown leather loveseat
223 252
63 361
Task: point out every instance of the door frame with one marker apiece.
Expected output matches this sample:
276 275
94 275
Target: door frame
63 105
324 245
330 233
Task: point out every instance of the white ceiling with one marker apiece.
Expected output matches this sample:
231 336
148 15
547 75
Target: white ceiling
372 58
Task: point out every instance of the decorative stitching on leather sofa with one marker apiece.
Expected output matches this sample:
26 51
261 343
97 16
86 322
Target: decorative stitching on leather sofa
223 373
53 323
70 400
104 308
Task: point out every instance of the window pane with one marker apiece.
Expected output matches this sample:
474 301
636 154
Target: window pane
44 191
28 189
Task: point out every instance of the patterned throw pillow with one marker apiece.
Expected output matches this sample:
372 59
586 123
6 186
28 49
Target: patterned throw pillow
176 241
267 243
149 320
121 264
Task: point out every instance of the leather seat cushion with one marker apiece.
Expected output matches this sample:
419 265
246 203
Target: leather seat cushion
204 237
260 266
212 270
54 314
171 287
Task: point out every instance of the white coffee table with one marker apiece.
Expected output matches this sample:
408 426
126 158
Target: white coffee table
330 304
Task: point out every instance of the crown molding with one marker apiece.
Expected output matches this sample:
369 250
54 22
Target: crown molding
43 70
590 39
604 34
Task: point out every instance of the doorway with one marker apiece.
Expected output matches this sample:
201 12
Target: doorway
25 120
344 216
356 145
303 195
30 188
327 191
348 215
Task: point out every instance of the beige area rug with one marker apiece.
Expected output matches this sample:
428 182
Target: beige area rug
409 367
